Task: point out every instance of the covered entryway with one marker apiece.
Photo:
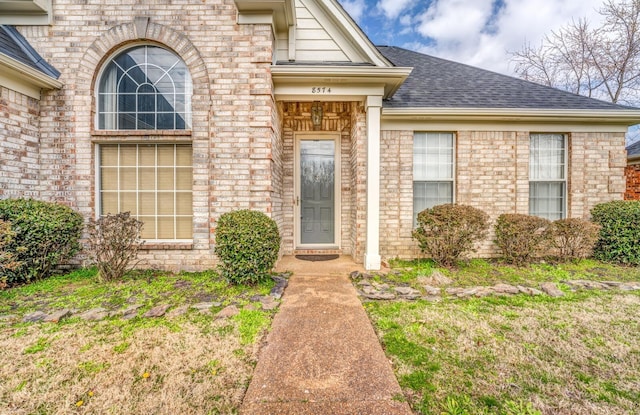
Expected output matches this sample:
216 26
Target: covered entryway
317 191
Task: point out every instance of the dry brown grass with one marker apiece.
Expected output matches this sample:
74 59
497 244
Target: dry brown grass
578 355
195 365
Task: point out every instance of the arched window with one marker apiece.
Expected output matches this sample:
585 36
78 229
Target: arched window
145 88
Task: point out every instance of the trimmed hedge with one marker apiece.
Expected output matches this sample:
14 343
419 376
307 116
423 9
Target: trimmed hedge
46 234
446 232
521 237
574 238
619 239
247 244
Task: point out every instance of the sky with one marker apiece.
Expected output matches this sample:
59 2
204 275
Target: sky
476 32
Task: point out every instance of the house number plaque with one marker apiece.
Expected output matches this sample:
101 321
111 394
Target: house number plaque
320 90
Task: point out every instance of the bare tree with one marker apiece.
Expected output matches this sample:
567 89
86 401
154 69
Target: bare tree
600 62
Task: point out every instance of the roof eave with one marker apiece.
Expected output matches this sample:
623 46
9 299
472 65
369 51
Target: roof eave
391 77
621 116
28 74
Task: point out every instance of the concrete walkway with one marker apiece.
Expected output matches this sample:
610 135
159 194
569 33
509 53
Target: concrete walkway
322 355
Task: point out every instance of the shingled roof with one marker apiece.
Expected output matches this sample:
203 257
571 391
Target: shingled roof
439 83
633 150
14 45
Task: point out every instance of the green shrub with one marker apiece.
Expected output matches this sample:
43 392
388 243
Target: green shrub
113 244
46 234
7 260
446 232
619 239
574 238
521 238
247 244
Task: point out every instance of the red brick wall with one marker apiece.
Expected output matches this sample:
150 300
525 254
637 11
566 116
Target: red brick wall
632 174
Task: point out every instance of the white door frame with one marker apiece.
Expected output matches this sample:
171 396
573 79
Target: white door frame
337 209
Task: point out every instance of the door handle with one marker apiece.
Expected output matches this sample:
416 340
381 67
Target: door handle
297 201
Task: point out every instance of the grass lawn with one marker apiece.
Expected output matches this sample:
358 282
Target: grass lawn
578 354
187 364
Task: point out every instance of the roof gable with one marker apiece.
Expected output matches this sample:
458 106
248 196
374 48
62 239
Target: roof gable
439 83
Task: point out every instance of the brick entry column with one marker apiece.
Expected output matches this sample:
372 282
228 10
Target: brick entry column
372 249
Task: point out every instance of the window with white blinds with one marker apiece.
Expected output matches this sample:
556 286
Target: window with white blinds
153 182
433 170
548 176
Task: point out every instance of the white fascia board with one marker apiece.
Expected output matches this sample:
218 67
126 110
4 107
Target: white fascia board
283 12
25 12
339 76
18 70
620 117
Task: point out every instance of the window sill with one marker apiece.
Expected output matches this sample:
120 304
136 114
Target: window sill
140 133
167 246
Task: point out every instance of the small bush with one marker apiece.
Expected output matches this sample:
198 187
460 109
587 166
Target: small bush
114 241
247 244
574 238
46 234
619 239
7 260
446 232
521 237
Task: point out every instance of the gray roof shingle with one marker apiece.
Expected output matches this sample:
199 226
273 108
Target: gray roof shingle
440 83
14 45
633 149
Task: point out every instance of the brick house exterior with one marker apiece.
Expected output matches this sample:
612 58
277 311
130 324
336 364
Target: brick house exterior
290 110
632 172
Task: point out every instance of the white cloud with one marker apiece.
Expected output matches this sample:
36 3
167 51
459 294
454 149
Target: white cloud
470 31
393 8
355 8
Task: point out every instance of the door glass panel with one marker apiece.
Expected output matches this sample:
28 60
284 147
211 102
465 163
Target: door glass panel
317 179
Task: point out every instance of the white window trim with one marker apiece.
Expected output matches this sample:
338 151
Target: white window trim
98 188
565 173
452 180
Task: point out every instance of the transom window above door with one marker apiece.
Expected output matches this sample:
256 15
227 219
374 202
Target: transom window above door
144 88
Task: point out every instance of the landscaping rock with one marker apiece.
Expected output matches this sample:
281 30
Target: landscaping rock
94 314
177 312
431 291
505 289
269 303
380 286
278 290
204 307
630 286
485 291
363 283
57 316
612 283
368 289
407 293
157 311
588 285
228 311
432 298
355 275
379 295
34 317
435 279
130 312
551 289
529 290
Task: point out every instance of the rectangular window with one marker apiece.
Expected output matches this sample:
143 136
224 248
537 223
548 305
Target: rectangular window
548 176
153 182
433 170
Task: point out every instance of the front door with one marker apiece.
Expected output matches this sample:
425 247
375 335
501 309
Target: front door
317 191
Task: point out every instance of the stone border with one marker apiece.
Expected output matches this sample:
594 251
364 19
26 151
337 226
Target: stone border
435 287
266 303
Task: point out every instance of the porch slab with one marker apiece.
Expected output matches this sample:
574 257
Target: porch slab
343 265
322 355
